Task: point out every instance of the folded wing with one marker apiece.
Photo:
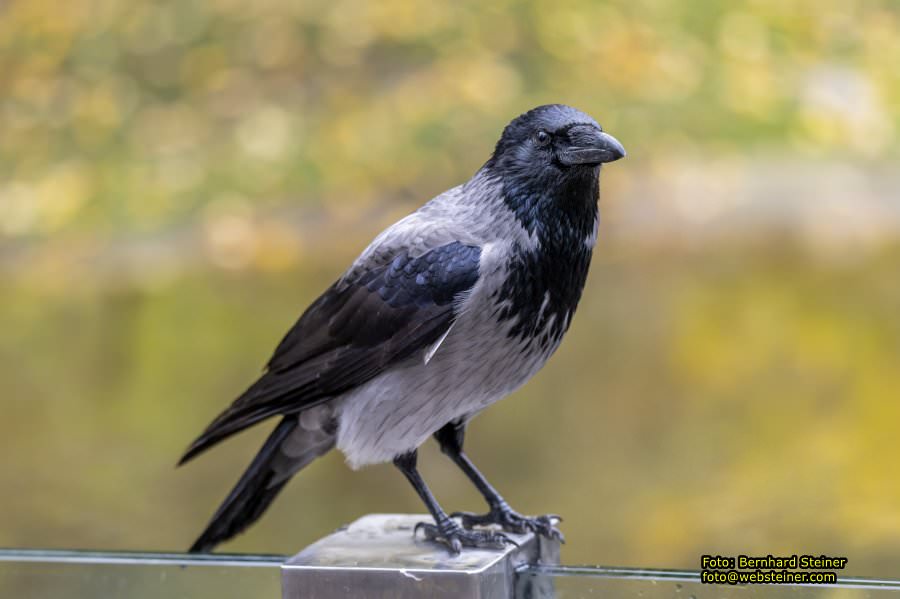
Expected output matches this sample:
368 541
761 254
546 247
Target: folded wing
361 326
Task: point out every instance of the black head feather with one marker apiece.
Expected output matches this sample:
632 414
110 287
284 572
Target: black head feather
548 162
537 161
520 137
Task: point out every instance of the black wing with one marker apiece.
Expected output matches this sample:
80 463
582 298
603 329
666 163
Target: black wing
353 332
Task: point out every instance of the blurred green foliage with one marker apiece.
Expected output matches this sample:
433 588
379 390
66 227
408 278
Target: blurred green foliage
179 179
128 116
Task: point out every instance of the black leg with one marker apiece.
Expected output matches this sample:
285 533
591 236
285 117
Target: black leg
450 438
444 530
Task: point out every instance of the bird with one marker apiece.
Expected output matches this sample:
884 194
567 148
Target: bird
447 311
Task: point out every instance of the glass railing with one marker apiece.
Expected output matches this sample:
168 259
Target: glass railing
569 582
36 574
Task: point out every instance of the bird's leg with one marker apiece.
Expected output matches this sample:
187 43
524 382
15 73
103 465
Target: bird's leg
450 438
445 530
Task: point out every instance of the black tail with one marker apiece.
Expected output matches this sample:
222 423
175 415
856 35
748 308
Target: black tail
253 493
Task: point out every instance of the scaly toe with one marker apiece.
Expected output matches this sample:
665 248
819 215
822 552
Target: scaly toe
511 521
454 537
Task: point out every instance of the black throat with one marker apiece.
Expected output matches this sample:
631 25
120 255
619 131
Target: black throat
544 284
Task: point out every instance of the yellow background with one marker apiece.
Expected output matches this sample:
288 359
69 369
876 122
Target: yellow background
179 179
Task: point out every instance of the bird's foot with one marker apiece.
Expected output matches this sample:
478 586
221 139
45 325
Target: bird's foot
455 537
511 521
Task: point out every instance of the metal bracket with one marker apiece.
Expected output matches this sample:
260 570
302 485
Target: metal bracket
378 556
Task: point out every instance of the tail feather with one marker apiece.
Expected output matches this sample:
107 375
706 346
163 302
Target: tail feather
251 496
292 445
295 442
244 413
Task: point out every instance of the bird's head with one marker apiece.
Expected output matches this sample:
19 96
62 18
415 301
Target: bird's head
552 154
555 139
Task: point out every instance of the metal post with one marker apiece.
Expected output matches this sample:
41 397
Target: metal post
378 557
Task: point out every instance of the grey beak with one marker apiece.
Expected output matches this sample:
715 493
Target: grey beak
597 148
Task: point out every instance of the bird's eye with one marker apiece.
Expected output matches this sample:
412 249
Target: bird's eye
542 138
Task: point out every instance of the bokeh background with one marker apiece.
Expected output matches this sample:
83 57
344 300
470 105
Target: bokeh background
179 179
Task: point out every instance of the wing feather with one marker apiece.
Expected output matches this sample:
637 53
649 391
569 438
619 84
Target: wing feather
358 328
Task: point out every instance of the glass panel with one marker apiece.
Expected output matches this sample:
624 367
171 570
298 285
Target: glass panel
75 574
566 582
28 574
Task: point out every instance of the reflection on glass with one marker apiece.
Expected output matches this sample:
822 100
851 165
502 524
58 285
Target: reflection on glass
39 574
35 574
568 582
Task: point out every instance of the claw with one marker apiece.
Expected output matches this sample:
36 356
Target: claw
456 537
513 522
505 538
455 545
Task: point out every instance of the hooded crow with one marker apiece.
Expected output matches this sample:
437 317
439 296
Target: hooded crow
446 312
